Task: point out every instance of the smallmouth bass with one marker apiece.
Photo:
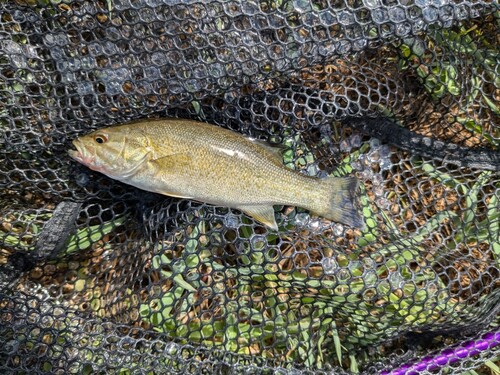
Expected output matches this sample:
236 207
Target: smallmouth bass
207 163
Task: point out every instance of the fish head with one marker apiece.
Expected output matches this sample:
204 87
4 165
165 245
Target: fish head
117 152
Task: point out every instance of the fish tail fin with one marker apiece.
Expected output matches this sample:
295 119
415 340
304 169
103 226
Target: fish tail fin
340 195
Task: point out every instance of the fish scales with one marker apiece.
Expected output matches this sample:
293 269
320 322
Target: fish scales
230 166
189 159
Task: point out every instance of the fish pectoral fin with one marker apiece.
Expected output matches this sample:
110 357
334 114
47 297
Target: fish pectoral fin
263 214
172 165
179 160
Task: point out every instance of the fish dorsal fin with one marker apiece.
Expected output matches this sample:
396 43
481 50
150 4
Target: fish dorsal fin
275 150
263 214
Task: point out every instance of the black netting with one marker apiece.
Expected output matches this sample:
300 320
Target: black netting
99 277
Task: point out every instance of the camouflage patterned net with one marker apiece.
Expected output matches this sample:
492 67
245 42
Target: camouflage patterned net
99 277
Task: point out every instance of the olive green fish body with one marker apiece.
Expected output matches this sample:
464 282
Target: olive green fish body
203 162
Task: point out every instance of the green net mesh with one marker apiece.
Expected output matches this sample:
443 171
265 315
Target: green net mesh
99 277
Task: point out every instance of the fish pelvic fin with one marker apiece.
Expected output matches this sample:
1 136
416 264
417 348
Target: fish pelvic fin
340 196
263 214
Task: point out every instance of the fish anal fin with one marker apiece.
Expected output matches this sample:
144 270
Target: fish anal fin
263 214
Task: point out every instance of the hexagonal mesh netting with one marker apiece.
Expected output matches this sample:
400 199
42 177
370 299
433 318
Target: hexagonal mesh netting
99 277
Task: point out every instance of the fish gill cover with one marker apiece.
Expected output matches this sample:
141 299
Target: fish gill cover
99 277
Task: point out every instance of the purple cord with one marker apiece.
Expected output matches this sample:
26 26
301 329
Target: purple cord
448 356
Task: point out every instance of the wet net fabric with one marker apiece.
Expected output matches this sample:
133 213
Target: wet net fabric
100 277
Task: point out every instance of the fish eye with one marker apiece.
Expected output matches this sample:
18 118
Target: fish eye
100 138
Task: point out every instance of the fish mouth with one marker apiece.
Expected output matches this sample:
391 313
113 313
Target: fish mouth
80 154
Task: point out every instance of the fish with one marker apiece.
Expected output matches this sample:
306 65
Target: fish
207 163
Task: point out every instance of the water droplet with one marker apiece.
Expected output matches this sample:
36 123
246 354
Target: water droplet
369 263
371 3
403 29
344 275
11 346
355 266
344 146
312 170
152 72
356 165
345 18
82 179
397 14
355 140
338 230
328 18
231 221
370 277
302 5
374 156
377 179
258 243
363 162
171 348
430 14
396 280
385 164
83 88
367 174
113 88
315 224
379 15
302 219
374 143
330 265
384 151
378 190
